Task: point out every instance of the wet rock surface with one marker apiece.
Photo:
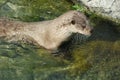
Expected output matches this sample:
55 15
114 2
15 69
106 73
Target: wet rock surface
108 8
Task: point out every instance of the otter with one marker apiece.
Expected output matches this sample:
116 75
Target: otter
48 34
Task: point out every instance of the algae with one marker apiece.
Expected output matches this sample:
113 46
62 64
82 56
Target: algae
34 10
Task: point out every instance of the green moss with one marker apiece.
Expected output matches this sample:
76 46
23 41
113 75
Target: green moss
79 7
35 10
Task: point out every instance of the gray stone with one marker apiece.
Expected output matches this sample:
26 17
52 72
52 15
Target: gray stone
110 8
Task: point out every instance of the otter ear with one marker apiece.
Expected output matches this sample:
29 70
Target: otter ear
73 22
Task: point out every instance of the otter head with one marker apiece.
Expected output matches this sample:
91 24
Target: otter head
76 22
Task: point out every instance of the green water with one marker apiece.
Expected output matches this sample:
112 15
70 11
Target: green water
97 58
33 10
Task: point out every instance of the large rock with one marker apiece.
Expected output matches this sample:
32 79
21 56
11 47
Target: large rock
109 8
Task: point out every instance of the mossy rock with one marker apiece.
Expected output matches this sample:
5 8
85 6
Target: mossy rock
33 10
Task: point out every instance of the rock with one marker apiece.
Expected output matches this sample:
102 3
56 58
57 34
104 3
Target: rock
108 8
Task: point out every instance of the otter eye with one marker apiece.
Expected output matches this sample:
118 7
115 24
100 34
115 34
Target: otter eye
73 22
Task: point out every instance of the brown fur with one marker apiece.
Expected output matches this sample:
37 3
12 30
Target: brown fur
48 34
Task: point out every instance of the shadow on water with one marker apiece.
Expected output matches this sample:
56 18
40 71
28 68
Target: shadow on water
105 30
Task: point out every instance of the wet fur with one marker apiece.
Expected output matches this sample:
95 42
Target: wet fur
48 34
